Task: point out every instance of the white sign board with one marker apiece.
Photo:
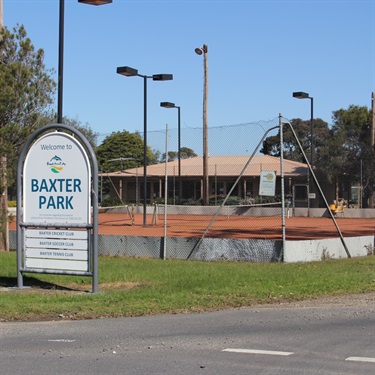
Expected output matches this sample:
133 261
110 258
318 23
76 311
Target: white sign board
267 184
56 249
56 181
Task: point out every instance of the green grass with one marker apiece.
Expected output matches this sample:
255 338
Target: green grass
137 286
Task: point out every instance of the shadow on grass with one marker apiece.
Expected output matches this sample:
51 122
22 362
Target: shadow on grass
31 282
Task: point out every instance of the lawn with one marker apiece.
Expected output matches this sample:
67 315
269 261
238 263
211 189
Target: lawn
139 286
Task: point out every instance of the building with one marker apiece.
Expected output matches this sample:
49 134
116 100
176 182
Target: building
223 171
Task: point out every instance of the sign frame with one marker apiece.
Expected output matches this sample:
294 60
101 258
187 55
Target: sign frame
57 227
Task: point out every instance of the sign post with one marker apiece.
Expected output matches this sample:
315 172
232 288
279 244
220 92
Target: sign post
57 181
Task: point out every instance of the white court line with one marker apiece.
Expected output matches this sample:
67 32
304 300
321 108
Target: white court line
360 359
254 351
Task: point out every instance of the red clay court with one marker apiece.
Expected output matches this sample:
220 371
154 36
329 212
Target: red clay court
240 227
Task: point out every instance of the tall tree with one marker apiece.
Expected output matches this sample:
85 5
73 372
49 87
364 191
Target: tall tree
122 150
271 145
26 91
354 155
85 129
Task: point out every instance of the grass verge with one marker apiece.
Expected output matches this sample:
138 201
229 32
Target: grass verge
137 286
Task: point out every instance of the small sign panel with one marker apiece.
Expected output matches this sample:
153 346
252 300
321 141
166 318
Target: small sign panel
59 249
267 184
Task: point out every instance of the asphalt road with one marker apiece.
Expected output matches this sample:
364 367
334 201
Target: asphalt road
288 340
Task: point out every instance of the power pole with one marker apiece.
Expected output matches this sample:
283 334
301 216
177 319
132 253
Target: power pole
371 197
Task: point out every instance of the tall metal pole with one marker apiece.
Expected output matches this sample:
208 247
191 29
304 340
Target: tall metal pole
206 189
282 186
312 132
61 65
145 150
311 181
179 156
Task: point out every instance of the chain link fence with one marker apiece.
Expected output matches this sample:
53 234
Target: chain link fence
248 194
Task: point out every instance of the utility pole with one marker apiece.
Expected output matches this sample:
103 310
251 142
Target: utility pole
4 235
371 197
373 121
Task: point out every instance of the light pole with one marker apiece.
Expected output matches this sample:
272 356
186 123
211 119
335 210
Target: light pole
61 53
199 51
172 105
131 72
305 95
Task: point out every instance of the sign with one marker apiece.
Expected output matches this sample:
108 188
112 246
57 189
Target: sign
57 249
267 184
57 204
56 181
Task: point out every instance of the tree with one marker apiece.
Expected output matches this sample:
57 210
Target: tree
122 150
85 129
342 154
271 145
351 153
26 91
185 153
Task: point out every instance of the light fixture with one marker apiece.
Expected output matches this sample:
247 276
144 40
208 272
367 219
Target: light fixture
127 71
167 105
162 77
95 2
300 95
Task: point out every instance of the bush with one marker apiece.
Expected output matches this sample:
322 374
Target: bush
12 203
111 202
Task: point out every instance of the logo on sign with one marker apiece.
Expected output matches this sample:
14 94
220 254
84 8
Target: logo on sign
56 164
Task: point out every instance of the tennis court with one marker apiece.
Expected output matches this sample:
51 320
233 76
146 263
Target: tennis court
240 227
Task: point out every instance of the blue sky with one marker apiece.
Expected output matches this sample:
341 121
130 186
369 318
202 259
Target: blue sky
259 52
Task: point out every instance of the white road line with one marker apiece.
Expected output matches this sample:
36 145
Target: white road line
360 359
253 351
61 340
